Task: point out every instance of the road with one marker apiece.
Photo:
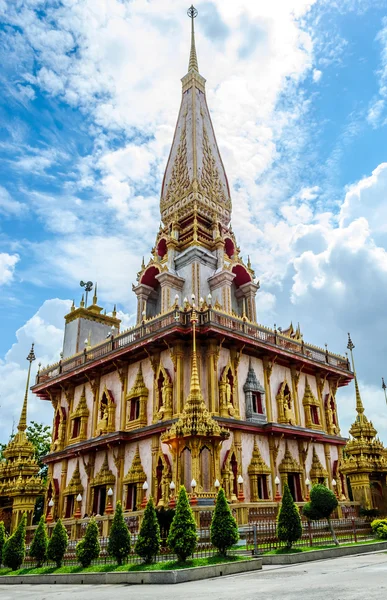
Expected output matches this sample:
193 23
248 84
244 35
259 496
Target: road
361 577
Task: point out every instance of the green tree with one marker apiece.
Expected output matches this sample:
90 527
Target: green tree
88 548
40 436
148 541
182 537
57 544
321 506
2 540
15 547
224 528
289 527
119 538
38 549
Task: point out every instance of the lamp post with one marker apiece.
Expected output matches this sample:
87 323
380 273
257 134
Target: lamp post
77 514
172 501
241 497
145 487
109 506
307 483
277 496
217 486
50 517
194 499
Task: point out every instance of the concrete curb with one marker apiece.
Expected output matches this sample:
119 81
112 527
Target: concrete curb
137 577
302 557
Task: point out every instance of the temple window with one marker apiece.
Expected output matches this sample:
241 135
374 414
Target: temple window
137 402
159 480
205 469
186 473
311 407
294 484
162 248
56 426
160 386
314 415
134 409
99 501
76 427
131 498
133 482
263 493
254 397
70 506
234 470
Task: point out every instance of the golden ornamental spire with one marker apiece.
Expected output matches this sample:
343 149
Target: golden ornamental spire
195 383
23 417
193 59
95 298
359 403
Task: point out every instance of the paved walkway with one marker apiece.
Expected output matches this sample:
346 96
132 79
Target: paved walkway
352 578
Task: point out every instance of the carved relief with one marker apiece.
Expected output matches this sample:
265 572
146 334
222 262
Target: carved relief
133 482
259 474
285 404
179 182
106 413
78 420
228 392
312 408
163 395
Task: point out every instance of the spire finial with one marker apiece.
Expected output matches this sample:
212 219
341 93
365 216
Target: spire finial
195 384
95 299
359 403
193 60
23 417
384 387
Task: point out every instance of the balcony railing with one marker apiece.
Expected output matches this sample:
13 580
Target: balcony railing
206 318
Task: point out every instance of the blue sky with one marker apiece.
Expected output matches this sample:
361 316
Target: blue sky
298 96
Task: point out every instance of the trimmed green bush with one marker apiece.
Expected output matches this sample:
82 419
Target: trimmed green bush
57 544
38 548
379 528
148 540
3 538
224 528
119 538
322 504
15 547
289 528
182 537
88 548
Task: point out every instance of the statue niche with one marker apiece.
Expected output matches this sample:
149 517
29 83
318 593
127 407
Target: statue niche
331 415
136 399
228 392
106 413
163 395
285 404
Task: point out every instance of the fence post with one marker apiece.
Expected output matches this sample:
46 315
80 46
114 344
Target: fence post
354 530
310 533
255 551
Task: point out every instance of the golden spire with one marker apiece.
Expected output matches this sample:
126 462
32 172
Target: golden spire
23 417
193 60
195 383
95 299
359 403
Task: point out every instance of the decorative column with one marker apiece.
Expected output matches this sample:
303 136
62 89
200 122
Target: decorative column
320 389
267 371
327 451
63 481
212 357
295 380
119 461
274 448
178 353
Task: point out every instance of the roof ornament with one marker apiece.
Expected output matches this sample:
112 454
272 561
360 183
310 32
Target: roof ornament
193 60
23 417
359 403
88 285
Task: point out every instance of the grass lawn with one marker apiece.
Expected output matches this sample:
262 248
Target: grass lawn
169 565
326 547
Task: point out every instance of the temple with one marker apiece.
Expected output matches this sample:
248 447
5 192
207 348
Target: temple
196 392
20 484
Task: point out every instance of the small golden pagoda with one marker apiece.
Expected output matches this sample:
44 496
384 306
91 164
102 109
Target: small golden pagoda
20 484
364 461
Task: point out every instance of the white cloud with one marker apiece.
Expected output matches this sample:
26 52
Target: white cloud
7 267
8 205
317 74
378 105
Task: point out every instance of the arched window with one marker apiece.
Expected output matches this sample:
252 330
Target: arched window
159 479
186 470
205 469
160 386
